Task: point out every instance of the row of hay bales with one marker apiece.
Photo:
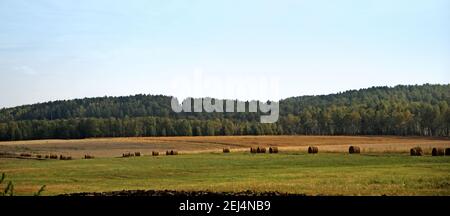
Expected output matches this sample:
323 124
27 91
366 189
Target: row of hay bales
417 151
129 154
351 150
172 152
49 156
262 150
168 152
56 157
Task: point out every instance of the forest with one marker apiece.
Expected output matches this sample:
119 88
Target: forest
404 110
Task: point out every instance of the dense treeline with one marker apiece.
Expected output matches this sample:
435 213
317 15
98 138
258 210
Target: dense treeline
129 127
402 110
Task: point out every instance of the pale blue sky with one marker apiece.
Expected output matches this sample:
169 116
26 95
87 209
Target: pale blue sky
256 49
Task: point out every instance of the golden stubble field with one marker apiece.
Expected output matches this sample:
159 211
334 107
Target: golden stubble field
114 147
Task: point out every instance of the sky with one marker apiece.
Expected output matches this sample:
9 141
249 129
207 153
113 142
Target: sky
230 49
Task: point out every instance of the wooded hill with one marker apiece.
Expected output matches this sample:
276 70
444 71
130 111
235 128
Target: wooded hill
421 110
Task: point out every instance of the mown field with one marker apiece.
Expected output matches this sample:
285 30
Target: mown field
383 168
114 147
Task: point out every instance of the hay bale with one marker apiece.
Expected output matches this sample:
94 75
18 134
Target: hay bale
354 150
313 150
438 152
447 152
416 151
128 154
273 150
262 150
39 156
155 153
25 155
226 150
137 154
253 150
63 157
171 152
47 156
52 156
88 157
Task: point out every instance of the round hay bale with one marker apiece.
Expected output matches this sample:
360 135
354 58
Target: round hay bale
262 150
447 152
354 150
416 151
128 154
226 150
313 150
63 157
137 154
25 155
253 150
438 152
171 152
155 153
273 150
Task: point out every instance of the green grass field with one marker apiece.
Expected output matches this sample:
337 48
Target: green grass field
321 174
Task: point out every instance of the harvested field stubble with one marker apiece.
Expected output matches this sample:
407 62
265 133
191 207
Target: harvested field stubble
113 147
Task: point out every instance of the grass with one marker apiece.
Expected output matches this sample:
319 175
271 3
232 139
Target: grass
321 174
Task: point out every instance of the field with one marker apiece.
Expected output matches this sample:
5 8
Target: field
383 168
